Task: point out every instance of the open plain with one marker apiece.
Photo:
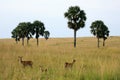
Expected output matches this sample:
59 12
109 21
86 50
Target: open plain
92 63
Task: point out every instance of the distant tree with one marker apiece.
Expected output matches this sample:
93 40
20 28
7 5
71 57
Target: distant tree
15 34
28 31
105 33
22 31
46 34
100 30
76 19
38 29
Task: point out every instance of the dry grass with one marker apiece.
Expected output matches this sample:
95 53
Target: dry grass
91 63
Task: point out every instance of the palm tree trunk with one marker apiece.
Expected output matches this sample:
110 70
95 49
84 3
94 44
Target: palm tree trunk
27 41
23 41
74 38
16 41
103 42
37 42
98 42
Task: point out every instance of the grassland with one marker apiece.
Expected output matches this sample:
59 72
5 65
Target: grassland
91 63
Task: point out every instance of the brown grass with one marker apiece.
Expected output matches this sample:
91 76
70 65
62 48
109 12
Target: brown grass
91 63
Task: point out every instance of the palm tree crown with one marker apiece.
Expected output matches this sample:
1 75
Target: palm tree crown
46 34
38 28
76 18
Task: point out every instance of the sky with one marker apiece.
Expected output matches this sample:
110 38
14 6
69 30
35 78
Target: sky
51 13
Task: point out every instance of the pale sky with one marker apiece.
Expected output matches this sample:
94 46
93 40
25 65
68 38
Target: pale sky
51 13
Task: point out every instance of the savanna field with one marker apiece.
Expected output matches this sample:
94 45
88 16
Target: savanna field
92 63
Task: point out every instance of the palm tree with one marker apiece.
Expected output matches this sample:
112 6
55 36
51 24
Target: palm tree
76 19
22 31
28 31
105 33
38 29
46 34
15 35
100 30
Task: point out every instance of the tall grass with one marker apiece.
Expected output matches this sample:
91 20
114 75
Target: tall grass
91 63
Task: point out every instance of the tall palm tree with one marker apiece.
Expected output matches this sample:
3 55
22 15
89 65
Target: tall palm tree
76 19
105 33
95 29
100 30
15 34
46 34
38 29
22 31
28 31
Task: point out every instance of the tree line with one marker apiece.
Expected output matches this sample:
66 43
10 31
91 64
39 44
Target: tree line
76 20
28 30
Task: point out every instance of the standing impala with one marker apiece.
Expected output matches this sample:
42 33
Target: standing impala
69 65
25 63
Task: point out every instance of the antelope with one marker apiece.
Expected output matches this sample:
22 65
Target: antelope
69 65
43 69
25 63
